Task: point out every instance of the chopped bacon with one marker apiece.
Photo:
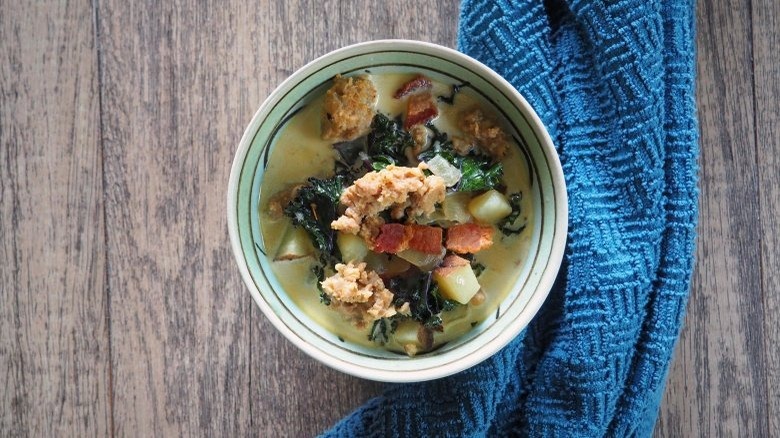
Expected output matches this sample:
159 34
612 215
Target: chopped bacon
419 83
469 238
426 239
394 238
420 108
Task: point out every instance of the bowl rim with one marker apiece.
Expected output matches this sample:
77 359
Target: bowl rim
547 278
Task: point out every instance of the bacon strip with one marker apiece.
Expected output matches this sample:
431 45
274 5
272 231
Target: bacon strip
469 238
418 83
426 239
420 108
394 238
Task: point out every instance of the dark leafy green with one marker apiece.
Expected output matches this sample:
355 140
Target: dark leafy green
478 268
450 100
379 162
319 273
478 171
425 302
384 145
388 139
348 152
382 329
506 225
314 208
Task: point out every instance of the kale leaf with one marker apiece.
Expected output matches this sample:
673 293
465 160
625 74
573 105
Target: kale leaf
425 302
382 329
319 273
314 208
379 162
478 171
506 225
450 100
388 139
384 145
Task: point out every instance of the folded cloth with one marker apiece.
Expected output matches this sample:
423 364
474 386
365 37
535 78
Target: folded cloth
613 82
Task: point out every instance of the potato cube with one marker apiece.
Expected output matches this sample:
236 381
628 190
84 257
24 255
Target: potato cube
457 282
422 260
295 244
386 264
406 332
352 247
455 207
490 207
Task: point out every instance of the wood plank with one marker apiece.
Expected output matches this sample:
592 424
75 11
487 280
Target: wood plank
54 343
766 40
177 79
717 384
292 395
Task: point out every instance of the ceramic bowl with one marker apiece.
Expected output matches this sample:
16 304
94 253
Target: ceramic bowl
547 238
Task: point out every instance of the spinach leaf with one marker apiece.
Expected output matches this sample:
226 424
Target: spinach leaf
314 208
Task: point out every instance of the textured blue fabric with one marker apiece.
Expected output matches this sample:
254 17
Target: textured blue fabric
614 83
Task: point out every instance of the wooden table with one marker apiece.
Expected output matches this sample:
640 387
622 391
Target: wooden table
121 310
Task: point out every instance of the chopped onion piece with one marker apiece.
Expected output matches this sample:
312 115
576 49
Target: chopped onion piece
442 168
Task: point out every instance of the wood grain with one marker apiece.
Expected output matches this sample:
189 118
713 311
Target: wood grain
175 81
717 385
292 395
54 351
766 40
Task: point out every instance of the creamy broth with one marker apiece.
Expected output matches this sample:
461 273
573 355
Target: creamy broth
300 153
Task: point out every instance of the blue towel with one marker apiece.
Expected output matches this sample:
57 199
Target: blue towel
614 83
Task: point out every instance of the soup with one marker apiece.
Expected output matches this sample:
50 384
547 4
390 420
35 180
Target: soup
393 207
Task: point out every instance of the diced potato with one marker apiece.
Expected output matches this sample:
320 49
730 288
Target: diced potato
455 207
424 261
406 332
352 247
385 264
413 337
295 244
478 299
490 207
457 282
428 219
